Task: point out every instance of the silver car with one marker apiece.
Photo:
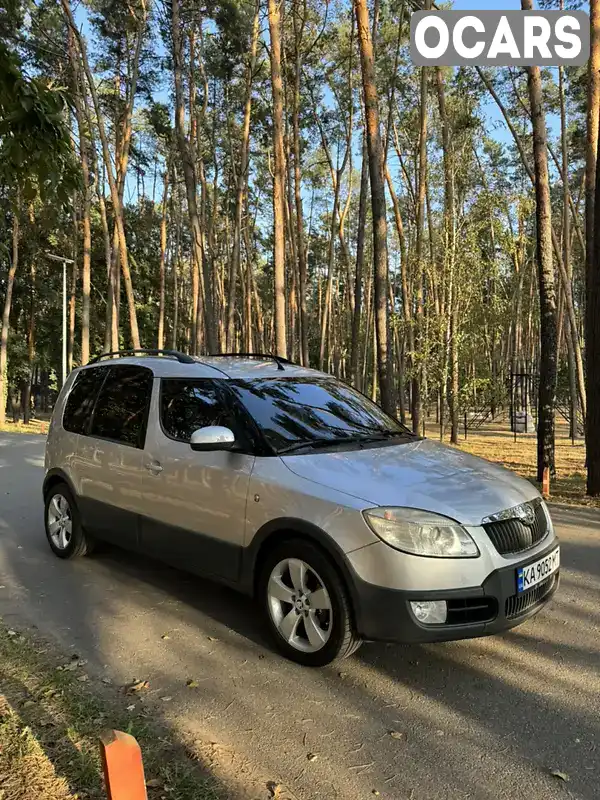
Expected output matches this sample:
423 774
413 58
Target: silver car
293 487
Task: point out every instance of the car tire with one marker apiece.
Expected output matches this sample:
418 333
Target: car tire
310 636
66 537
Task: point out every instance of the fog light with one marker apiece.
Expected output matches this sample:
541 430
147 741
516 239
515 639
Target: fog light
430 612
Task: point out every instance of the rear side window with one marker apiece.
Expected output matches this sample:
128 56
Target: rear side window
121 412
80 402
186 406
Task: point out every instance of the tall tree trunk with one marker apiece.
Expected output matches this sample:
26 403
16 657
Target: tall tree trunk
10 282
30 348
574 405
355 372
300 242
189 173
417 402
116 201
593 123
592 318
548 354
242 183
380 251
163 262
326 317
449 266
73 295
86 274
278 180
79 101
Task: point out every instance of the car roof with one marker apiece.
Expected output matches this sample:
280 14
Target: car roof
222 367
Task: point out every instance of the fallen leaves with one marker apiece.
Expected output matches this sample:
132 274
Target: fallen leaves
274 788
191 683
165 636
397 735
312 756
73 664
155 783
137 686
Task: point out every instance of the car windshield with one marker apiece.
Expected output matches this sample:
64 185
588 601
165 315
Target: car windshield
314 412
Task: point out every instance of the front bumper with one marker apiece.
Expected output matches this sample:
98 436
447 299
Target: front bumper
384 614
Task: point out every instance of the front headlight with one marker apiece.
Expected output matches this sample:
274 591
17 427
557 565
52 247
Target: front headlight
421 533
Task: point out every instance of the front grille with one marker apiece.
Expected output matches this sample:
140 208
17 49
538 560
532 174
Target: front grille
513 536
471 609
520 603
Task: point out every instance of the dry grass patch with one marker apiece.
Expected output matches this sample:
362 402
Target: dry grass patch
37 427
26 772
497 444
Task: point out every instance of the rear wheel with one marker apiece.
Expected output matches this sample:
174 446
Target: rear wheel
63 525
306 605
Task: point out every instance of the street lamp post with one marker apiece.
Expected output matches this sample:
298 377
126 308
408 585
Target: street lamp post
65 261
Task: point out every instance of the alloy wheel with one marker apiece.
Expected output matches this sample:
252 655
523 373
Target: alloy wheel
60 522
299 605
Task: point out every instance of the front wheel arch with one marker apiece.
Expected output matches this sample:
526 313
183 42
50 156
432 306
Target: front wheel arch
280 530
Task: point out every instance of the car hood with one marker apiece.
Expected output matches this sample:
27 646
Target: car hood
418 474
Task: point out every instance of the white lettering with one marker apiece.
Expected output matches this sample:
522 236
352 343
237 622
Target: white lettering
562 26
535 40
457 37
503 42
426 24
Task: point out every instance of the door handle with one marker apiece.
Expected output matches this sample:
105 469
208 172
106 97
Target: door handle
154 468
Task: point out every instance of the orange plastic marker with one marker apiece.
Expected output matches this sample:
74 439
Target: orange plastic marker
123 766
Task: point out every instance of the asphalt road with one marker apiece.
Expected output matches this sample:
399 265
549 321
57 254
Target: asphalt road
484 719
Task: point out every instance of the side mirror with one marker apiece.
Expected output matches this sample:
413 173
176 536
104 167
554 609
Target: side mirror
215 437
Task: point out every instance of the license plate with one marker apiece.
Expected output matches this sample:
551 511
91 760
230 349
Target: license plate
539 571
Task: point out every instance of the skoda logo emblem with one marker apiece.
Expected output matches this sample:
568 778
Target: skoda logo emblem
526 514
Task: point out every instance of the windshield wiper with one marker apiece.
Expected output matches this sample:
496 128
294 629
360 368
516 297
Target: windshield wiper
378 436
313 443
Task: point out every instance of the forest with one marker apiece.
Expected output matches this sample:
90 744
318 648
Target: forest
276 176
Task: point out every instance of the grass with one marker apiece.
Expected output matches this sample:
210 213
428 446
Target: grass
497 444
25 770
36 426
50 720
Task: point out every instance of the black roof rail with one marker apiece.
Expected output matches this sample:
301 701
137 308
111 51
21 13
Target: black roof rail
183 358
279 360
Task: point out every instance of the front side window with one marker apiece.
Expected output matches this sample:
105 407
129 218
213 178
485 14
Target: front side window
302 412
186 406
81 399
122 408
